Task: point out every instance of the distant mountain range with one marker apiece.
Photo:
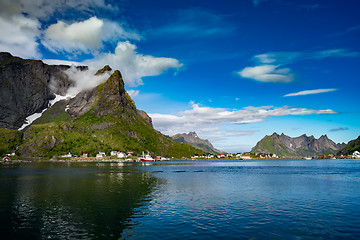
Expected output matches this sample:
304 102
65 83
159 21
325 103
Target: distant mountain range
192 139
301 146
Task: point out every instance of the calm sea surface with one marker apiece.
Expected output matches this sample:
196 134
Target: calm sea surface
257 199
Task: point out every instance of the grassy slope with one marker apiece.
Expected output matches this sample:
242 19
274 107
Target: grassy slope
267 145
9 140
90 134
353 146
107 126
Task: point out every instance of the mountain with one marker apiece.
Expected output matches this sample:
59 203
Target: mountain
27 86
352 146
103 118
192 139
301 146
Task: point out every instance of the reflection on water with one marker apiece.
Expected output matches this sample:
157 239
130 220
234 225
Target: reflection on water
253 200
41 201
258 199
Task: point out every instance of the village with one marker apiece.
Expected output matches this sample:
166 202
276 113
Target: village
118 156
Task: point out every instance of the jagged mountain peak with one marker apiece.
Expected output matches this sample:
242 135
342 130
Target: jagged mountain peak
106 68
108 98
303 145
193 139
103 118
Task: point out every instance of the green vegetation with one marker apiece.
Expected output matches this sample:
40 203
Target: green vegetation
9 140
353 146
112 123
55 114
268 146
91 134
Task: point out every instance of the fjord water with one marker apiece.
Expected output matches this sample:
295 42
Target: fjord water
258 199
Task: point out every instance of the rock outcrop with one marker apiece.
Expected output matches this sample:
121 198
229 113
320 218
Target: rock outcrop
104 118
301 146
192 139
27 86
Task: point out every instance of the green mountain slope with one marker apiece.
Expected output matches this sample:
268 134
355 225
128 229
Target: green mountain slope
301 146
352 146
101 119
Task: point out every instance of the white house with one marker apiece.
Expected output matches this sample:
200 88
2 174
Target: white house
114 153
121 155
245 157
356 155
69 155
101 154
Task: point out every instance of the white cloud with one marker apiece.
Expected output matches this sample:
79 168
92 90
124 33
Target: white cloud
270 65
84 80
61 62
290 57
267 73
340 53
307 92
133 93
21 25
199 118
277 57
19 35
134 65
85 36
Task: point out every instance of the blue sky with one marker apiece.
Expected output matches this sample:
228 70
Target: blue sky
233 71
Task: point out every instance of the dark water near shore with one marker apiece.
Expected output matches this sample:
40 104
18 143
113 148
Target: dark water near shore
258 199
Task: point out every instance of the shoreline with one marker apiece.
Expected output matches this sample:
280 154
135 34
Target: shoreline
108 160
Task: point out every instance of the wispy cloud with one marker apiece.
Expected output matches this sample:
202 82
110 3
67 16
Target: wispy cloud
267 73
270 66
133 93
257 2
290 57
200 117
308 92
193 23
339 129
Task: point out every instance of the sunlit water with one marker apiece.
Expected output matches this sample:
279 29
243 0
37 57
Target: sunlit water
257 199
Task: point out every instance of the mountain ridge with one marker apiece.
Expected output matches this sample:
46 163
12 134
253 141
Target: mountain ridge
301 146
193 139
27 86
352 146
103 118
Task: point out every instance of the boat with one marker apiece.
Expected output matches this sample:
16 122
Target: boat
146 158
6 159
308 158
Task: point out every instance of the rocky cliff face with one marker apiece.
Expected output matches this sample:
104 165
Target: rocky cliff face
192 139
301 146
109 98
103 118
26 86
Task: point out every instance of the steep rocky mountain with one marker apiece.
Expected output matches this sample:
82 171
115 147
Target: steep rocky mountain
192 139
301 146
103 118
353 145
27 86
